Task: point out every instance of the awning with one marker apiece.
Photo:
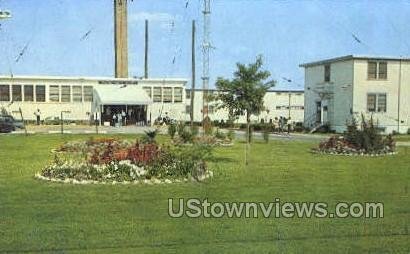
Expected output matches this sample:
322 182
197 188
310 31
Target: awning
120 95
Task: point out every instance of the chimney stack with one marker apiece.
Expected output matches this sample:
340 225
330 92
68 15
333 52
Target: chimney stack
120 38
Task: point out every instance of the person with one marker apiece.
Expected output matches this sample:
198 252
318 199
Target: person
119 116
124 118
114 119
38 116
280 124
289 124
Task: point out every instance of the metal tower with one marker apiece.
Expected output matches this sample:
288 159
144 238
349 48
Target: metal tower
206 46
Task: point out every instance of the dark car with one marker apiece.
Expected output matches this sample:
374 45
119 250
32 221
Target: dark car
6 124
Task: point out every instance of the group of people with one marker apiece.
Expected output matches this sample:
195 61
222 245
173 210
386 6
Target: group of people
282 124
119 119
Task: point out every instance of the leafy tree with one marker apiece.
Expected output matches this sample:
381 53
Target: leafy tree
244 93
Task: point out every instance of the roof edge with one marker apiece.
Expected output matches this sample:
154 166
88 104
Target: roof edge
352 57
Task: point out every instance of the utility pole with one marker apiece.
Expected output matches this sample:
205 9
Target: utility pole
193 74
398 101
206 45
146 50
289 105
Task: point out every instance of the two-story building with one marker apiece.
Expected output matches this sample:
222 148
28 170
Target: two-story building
338 89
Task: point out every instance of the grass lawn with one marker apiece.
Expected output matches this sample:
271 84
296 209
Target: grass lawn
40 216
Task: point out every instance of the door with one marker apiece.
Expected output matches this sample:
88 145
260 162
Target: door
318 112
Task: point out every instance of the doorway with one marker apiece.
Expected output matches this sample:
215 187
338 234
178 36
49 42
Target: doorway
318 112
128 114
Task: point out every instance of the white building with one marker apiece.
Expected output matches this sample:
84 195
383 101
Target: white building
277 103
340 88
79 98
143 100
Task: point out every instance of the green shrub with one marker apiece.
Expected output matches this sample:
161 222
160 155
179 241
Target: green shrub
181 161
208 128
180 128
266 133
368 137
149 137
186 136
172 130
219 134
231 135
195 130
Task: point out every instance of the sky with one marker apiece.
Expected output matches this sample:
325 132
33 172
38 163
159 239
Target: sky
75 37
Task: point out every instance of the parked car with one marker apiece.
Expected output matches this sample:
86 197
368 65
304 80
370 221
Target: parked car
6 124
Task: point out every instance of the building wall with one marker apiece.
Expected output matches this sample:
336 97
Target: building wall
83 110
48 109
276 104
346 94
390 86
335 96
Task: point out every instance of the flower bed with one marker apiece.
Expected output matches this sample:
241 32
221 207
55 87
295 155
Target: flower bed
119 161
363 141
338 145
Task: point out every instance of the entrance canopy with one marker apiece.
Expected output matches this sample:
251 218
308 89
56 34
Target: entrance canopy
120 95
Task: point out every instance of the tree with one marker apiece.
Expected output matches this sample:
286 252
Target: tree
245 92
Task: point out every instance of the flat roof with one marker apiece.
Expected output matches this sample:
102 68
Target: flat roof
351 57
37 77
269 91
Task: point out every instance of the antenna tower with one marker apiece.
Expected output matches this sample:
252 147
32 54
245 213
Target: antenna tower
206 46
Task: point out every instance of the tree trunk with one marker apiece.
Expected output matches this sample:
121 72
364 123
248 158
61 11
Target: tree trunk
247 146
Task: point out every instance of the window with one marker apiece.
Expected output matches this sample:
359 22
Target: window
188 94
88 93
28 93
157 94
327 73
40 93
167 94
77 94
376 102
382 70
177 94
371 102
54 93
65 93
148 90
381 103
16 93
376 70
188 109
4 93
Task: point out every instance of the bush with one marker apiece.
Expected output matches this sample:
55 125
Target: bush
208 128
231 135
186 136
195 130
172 130
219 134
266 133
149 136
181 161
180 128
367 139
